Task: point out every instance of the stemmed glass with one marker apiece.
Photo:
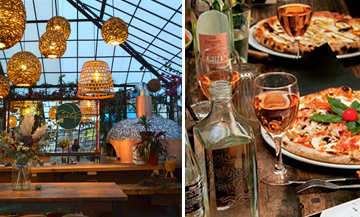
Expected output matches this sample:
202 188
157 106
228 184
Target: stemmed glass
217 64
276 104
294 16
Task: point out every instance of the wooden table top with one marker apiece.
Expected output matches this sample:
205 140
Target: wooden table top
283 201
100 191
87 167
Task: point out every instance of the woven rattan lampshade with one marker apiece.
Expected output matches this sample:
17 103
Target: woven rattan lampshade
95 81
4 86
12 121
52 44
52 112
12 22
88 108
16 104
24 69
59 24
114 31
154 85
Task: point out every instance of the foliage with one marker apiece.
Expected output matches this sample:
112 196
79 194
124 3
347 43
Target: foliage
150 144
24 144
145 121
64 143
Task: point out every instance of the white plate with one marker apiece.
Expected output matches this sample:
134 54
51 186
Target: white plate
268 139
260 47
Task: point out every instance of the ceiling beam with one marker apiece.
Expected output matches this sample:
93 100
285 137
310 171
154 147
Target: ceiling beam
96 21
103 4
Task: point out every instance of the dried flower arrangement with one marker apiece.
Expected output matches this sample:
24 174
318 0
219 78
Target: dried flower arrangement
25 144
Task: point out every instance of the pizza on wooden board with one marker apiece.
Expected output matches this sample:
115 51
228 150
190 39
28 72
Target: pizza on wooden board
327 127
341 32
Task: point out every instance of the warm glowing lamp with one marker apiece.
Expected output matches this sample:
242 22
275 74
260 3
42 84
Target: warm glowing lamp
95 81
12 121
12 23
59 24
24 69
4 86
52 44
114 31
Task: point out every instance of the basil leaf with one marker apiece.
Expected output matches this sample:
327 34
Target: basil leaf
337 106
351 125
355 105
326 118
356 130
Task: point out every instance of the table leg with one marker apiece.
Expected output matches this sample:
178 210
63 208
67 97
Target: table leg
118 209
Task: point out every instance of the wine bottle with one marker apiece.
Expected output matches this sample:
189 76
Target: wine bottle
211 24
228 143
194 202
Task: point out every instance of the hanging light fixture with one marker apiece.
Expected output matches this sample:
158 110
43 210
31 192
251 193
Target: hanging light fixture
23 69
95 81
16 105
88 108
154 85
52 44
12 121
4 86
52 112
13 22
59 24
114 31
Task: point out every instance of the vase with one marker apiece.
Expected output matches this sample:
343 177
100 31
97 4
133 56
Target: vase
21 176
153 160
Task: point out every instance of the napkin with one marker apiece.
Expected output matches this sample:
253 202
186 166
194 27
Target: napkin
320 69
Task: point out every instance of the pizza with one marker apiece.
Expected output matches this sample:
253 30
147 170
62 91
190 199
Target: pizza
341 32
335 140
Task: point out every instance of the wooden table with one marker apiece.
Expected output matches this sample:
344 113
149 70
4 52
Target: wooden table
283 201
106 198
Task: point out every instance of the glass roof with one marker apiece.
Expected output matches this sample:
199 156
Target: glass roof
155 38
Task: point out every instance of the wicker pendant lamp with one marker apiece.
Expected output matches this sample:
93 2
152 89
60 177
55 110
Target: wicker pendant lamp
24 69
16 104
154 85
114 31
12 22
12 121
59 24
4 86
52 112
52 44
95 81
88 108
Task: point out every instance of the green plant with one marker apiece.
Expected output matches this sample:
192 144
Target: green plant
145 121
150 145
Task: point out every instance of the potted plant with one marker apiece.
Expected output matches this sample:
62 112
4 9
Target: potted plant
150 146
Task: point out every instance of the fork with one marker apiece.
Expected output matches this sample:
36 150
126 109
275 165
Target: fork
323 184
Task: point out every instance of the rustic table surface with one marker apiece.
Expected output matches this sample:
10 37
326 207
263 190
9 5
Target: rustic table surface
103 197
283 201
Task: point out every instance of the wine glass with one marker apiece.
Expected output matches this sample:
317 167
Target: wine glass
216 63
294 17
276 104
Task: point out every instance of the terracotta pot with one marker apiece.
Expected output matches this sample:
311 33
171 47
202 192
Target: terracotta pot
153 160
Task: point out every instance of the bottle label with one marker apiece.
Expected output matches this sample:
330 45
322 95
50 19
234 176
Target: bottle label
194 197
214 57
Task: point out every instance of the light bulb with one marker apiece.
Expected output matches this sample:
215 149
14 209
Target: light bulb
88 103
96 75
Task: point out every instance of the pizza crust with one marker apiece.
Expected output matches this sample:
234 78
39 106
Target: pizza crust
324 28
327 157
